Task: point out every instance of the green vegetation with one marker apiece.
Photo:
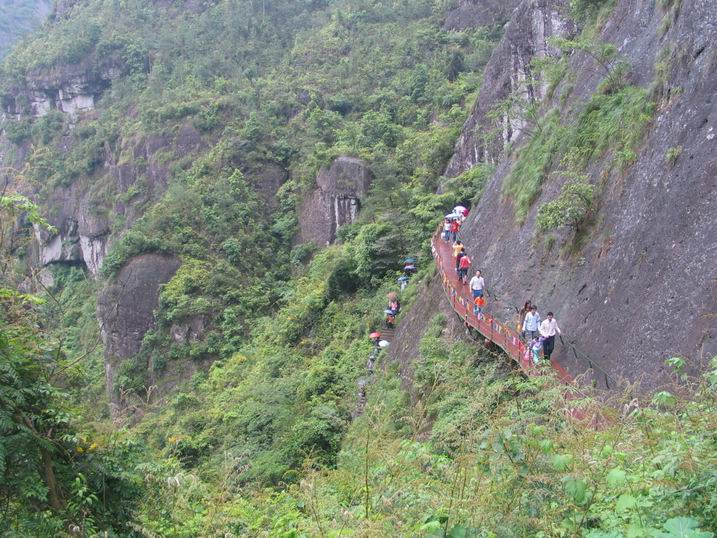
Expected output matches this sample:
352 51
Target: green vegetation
608 123
501 459
18 17
672 155
262 442
571 208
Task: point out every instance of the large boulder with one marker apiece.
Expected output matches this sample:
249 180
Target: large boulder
335 201
126 312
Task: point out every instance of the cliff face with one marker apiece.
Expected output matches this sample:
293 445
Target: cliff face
642 286
510 72
126 310
335 201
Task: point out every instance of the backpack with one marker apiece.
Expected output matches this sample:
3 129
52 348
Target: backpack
465 262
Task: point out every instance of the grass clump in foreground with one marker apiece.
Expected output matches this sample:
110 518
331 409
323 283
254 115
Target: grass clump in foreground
502 459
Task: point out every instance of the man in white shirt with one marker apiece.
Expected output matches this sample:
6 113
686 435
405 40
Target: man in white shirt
548 329
531 323
477 284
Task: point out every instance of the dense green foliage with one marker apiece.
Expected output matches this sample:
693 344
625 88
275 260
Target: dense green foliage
264 96
262 443
503 459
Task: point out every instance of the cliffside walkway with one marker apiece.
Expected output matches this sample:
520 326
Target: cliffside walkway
497 332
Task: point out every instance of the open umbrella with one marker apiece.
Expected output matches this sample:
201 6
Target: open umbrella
460 209
374 335
453 216
410 261
384 343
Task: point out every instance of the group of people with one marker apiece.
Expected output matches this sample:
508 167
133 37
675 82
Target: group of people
393 308
452 223
476 283
539 334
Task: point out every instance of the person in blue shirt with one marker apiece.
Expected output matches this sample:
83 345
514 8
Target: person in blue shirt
531 324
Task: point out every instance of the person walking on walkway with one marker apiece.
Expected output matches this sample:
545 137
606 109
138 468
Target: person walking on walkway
521 315
461 253
531 323
548 329
535 346
446 230
457 247
478 305
463 265
477 284
455 226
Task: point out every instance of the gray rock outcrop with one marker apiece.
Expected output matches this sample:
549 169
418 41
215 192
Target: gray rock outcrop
84 230
71 89
510 74
335 201
126 312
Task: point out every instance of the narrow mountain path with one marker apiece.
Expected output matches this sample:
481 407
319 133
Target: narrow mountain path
495 333
498 333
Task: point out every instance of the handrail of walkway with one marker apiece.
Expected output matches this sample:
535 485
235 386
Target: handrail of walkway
501 334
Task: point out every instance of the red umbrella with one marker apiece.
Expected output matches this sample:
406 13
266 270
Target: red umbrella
374 335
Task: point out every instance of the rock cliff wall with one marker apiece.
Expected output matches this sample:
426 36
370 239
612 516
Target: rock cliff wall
335 201
510 74
72 89
126 312
643 286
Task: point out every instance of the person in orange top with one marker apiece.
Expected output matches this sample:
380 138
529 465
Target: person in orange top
478 306
455 226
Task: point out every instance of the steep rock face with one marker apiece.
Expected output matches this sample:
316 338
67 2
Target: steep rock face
509 74
71 89
335 201
644 285
81 214
126 312
477 13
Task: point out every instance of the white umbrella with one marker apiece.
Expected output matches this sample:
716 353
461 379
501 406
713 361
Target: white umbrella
453 216
459 209
383 343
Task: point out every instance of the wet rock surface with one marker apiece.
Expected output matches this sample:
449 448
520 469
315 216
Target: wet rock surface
335 201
